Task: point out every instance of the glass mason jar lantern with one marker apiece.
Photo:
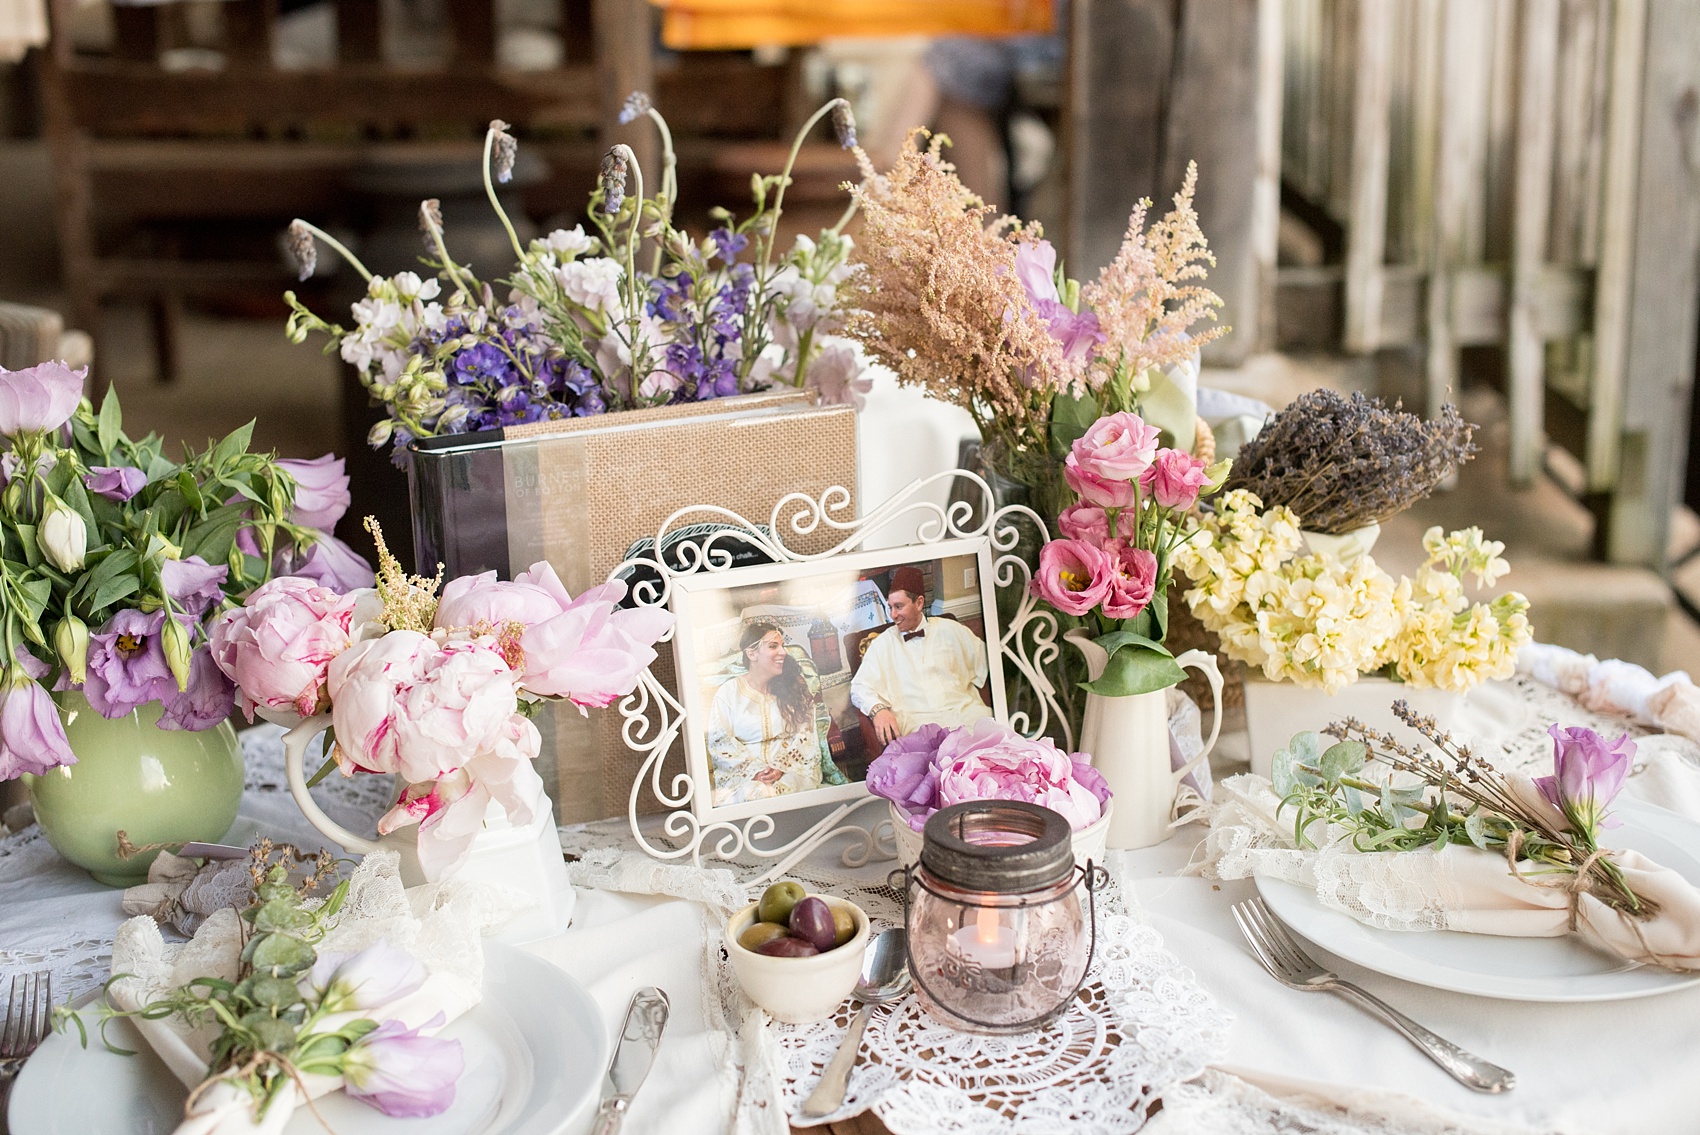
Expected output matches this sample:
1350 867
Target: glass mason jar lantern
997 940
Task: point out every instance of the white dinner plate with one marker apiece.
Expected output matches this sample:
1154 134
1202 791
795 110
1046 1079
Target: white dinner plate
1491 965
535 1049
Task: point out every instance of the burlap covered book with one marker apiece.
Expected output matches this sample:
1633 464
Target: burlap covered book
580 492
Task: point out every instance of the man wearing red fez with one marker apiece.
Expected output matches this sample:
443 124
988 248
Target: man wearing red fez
920 669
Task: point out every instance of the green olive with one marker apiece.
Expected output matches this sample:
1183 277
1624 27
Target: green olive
844 925
777 901
761 932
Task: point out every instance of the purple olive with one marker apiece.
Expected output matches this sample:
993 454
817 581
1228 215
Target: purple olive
757 933
812 920
787 948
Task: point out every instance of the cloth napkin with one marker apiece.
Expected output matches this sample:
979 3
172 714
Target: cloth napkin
439 925
1461 888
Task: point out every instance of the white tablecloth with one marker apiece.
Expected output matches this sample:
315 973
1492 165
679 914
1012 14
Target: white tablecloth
1612 1067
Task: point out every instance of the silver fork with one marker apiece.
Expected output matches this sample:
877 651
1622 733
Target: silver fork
1294 968
29 1010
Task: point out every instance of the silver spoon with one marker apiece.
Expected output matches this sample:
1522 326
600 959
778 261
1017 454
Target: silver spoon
885 977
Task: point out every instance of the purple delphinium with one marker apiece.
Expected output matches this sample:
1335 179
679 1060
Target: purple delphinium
127 666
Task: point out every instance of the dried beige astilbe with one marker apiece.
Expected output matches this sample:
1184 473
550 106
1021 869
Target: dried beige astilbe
939 301
1144 303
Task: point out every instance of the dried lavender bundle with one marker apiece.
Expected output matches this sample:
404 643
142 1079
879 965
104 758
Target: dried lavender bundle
1341 463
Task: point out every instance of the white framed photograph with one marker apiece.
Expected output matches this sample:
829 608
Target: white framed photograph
795 676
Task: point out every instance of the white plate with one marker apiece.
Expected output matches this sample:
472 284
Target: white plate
535 1053
1490 965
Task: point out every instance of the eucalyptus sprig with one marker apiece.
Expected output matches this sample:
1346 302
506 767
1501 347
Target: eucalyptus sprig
1445 794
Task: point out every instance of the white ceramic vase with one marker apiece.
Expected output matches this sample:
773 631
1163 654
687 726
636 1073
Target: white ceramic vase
1274 711
1127 739
517 858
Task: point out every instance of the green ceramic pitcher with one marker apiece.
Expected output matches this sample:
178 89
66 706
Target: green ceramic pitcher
155 785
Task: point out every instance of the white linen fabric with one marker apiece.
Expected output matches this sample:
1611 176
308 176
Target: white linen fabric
933 678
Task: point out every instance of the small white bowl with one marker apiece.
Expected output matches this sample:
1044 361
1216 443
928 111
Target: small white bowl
1088 841
799 991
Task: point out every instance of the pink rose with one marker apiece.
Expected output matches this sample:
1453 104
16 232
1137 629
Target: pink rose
1085 522
278 647
1073 576
1101 491
989 761
592 652
1133 580
1174 479
405 704
1117 447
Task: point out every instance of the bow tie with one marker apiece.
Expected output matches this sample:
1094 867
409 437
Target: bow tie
907 635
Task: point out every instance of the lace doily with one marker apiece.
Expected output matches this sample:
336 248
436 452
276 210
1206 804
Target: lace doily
50 925
1141 1024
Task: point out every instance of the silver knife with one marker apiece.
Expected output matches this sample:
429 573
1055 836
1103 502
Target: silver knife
646 1017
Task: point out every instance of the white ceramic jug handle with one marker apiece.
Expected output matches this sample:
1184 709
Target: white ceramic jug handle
1202 660
295 744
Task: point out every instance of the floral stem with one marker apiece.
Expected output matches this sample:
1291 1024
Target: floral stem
337 246
779 194
495 202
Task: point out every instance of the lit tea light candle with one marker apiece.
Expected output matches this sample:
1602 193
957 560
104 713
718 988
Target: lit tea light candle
987 942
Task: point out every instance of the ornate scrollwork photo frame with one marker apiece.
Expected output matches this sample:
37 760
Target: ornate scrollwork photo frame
701 539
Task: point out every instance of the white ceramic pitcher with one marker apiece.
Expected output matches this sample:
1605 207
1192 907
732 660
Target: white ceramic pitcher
526 859
1128 741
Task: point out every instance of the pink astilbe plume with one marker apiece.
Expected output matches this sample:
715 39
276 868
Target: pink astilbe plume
1144 303
940 301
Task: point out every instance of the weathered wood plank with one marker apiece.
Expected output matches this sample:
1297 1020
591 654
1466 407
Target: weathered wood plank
1613 291
1531 196
1366 226
624 33
1663 288
1266 186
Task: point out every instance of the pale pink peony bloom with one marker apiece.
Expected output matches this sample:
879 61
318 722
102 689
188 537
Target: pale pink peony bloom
1073 576
1133 580
592 652
1101 491
483 601
405 704
1117 447
1174 479
1085 521
279 646
990 761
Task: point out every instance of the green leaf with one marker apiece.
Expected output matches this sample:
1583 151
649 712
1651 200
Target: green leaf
1136 670
213 538
1115 640
268 1033
31 546
234 444
113 590
267 992
1342 759
1286 773
282 954
1070 419
110 423
1475 826
282 915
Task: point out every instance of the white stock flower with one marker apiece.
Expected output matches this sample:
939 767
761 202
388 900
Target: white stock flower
593 284
568 243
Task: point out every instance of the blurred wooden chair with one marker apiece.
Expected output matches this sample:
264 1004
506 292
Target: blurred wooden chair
175 170
30 335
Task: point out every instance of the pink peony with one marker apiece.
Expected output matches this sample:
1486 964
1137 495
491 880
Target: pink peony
1133 580
1085 521
989 761
592 652
1174 479
39 398
483 601
405 704
1073 576
278 647
1116 447
1101 491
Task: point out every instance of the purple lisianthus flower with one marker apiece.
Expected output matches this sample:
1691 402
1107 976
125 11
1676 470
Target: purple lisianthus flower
115 482
328 562
1588 772
32 736
1036 268
907 774
402 1072
210 698
321 490
40 397
377 976
127 666
193 583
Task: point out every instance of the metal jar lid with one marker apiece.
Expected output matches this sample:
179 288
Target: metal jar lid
960 848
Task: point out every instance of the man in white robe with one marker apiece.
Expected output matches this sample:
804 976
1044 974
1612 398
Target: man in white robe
921 669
